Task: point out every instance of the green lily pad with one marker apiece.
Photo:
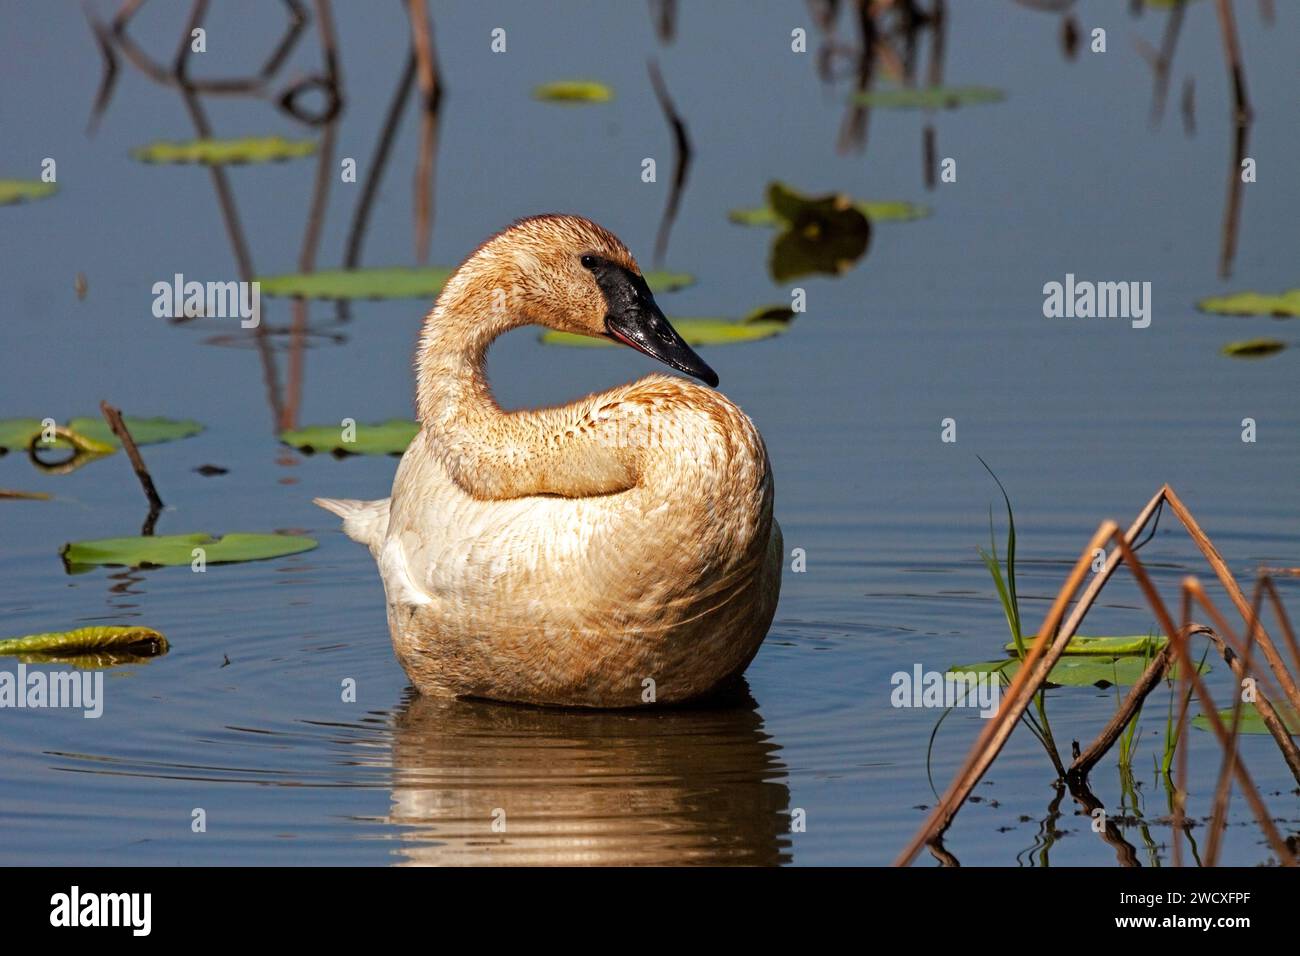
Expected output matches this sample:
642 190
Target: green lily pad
1283 306
1078 671
574 91
400 283
1254 348
177 549
383 438
770 313
1113 646
929 97
23 190
696 332
1251 722
225 152
381 283
17 433
887 211
133 640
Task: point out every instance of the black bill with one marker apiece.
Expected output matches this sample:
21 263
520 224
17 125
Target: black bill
635 319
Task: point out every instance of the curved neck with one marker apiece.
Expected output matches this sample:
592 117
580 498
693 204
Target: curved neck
490 453
451 359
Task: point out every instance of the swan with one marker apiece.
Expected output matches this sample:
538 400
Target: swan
617 551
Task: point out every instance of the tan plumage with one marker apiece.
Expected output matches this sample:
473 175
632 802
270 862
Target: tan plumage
568 555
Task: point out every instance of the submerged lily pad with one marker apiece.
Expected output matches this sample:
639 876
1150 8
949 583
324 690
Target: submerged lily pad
17 433
886 211
1099 670
574 91
1113 646
383 438
23 190
399 283
178 549
928 97
133 640
1286 305
1251 722
1254 348
225 152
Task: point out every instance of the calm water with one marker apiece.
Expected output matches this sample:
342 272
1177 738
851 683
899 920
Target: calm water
1083 420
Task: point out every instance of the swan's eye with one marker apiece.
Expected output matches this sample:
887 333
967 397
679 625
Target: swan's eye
589 262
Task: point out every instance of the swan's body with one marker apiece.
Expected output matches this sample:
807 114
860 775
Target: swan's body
613 552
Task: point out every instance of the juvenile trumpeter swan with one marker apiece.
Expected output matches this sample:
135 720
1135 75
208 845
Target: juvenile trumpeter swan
613 552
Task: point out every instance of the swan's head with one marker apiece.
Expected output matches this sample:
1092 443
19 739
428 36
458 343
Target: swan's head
569 274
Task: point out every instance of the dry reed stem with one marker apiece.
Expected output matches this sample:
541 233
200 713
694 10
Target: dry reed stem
1223 788
1044 654
1150 679
114 419
1233 654
1187 670
1235 594
430 93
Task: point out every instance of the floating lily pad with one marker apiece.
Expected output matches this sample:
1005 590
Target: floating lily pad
770 313
696 332
1285 305
929 97
1254 348
177 549
17 433
24 190
399 283
1077 671
225 152
1251 722
382 438
1113 646
382 283
137 641
574 91
887 211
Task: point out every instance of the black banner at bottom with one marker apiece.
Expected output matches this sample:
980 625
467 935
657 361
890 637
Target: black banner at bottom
335 905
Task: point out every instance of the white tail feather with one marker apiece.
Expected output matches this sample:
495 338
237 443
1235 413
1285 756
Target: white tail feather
365 522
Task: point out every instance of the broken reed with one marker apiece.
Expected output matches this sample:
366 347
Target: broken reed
1056 632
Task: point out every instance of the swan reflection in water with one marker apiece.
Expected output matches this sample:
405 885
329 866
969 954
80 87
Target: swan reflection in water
476 782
